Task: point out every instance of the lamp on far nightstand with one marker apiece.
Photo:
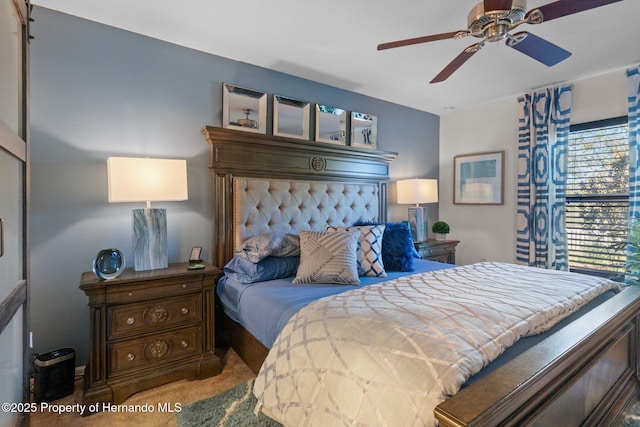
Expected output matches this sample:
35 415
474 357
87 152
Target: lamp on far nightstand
417 191
148 180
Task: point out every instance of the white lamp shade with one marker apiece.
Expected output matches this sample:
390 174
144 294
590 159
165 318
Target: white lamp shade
415 191
146 180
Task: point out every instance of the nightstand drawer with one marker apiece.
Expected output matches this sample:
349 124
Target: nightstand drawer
437 250
444 258
154 350
434 251
151 316
159 289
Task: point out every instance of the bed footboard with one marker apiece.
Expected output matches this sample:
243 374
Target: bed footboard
585 374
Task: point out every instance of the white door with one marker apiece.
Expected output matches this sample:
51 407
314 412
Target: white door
14 307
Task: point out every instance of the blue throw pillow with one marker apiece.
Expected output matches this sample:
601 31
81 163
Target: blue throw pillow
398 250
245 271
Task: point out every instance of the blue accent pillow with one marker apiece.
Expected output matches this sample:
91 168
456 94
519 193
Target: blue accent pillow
398 250
245 271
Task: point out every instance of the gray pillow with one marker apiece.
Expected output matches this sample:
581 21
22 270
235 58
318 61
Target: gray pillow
328 257
277 243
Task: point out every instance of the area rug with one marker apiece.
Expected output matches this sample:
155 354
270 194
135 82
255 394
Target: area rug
233 408
631 417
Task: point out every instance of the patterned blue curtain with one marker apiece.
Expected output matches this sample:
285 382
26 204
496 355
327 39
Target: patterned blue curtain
544 118
633 83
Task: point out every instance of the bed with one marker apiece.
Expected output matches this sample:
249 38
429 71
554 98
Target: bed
584 371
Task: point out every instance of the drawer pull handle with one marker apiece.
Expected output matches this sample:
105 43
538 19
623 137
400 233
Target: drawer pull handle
156 349
157 314
184 343
184 286
131 357
131 320
184 310
130 294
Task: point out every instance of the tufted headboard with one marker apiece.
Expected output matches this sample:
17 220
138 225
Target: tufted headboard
261 205
262 183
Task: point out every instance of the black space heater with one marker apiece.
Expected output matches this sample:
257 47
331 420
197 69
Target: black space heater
54 374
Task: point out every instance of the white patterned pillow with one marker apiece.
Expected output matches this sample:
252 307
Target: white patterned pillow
369 253
328 258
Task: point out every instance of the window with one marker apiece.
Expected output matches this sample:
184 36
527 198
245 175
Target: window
598 196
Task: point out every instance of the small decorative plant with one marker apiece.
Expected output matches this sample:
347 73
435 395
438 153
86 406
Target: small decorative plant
440 228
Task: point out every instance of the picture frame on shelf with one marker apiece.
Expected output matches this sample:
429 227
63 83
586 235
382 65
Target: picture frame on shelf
478 179
244 109
364 130
291 118
331 124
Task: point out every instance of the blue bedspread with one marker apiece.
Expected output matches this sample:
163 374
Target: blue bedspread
264 308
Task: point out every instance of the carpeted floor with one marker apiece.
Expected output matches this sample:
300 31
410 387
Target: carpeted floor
234 372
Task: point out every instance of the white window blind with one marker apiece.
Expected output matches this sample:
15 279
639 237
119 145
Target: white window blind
597 196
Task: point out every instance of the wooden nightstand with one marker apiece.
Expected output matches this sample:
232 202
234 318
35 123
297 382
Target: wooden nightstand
438 250
149 328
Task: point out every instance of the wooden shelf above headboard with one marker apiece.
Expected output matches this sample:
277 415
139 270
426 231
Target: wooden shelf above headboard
252 154
247 154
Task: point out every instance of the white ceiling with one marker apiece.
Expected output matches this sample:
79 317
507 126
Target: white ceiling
334 42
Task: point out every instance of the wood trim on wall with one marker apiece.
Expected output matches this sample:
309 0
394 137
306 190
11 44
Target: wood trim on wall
12 143
9 307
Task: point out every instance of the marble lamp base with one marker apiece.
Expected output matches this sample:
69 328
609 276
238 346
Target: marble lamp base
150 239
418 223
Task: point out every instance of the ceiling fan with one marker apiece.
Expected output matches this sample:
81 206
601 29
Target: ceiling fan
493 20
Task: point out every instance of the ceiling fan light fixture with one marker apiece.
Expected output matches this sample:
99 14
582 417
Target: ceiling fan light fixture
480 18
494 20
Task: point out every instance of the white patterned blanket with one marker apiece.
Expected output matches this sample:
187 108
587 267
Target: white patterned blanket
388 354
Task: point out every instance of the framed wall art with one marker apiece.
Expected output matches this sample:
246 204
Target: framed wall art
364 130
478 179
331 124
244 109
291 118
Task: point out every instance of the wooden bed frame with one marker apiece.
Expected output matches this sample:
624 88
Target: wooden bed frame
584 374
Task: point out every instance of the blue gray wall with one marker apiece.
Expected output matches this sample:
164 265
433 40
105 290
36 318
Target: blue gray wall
96 92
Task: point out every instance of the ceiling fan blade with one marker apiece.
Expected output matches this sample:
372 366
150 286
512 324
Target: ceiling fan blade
456 63
417 40
561 8
498 4
538 48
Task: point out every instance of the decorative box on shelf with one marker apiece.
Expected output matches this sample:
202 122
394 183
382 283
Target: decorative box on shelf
438 250
149 328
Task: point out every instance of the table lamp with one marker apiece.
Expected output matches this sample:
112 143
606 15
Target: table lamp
147 180
417 191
